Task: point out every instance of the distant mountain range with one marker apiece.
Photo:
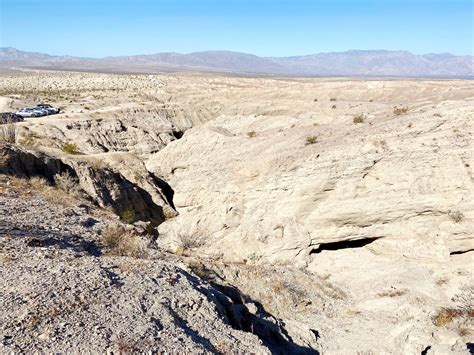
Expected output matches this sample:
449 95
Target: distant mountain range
350 63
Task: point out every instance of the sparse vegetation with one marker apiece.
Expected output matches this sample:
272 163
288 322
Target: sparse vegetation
189 241
400 110
66 182
392 293
311 140
41 187
70 148
358 119
199 269
119 241
437 115
127 216
463 310
29 139
446 316
456 216
251 134
332 99
333 107
8 132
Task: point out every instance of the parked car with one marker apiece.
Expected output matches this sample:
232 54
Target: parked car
32 112
42 111
50 108
27 112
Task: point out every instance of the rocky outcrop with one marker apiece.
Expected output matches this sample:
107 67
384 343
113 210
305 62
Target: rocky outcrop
398 181
104 186
143 136
62 293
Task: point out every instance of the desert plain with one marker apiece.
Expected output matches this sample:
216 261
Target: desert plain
261 214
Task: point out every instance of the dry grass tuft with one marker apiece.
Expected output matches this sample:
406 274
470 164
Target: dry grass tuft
400 110
392 293
446 316
67 183
456 216
358 119
29 139
8 132
311 140
119 241
190 241
200 270
251 134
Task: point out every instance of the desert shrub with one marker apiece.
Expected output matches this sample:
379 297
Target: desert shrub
400 110
392 293
29 139
118 241
437 115
66 182
464 308
456 216
311 140
188 241
87 108
8 132
358 119
333 107
200 270
465 300
446 316
332 99
128 216
70 148
252 134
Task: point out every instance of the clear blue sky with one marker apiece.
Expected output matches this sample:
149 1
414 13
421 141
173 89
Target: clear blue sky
99 28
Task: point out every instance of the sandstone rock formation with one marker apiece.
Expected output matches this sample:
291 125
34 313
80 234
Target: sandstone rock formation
340 210
105 187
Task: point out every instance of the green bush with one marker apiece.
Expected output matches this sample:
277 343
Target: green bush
70 148
311 140
358 119
128 216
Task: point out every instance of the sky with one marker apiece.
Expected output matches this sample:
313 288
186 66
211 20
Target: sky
98 28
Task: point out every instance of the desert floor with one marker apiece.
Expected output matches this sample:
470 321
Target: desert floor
342 208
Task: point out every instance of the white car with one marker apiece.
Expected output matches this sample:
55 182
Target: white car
24 112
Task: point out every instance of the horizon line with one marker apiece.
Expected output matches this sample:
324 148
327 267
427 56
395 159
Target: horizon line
234 51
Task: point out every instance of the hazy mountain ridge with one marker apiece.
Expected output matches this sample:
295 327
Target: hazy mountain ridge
349 63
